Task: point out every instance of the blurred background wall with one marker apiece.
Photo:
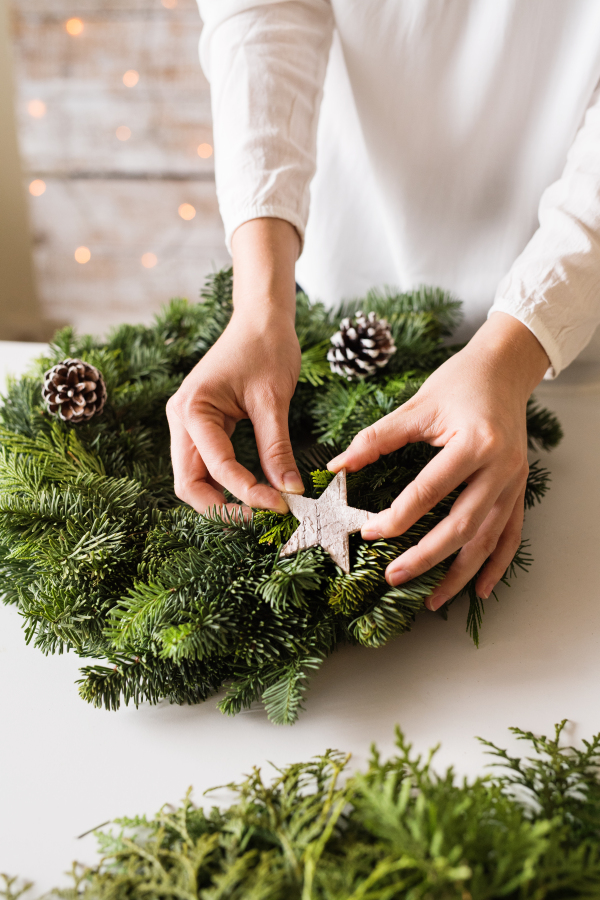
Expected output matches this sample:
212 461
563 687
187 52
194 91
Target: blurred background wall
113 116
20 313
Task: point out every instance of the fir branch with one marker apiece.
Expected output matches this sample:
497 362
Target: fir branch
279 528
283 698
538 483
543 428
476 611
289 581
314 367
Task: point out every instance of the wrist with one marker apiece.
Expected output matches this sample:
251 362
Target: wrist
264 260
264 316
511 348
268 307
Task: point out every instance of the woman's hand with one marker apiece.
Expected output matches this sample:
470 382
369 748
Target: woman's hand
250 372
474 407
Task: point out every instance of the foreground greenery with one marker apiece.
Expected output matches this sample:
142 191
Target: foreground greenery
398 830
99 556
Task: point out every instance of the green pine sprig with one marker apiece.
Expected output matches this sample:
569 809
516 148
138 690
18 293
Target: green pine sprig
397 831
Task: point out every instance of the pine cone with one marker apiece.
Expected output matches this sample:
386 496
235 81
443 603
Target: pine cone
361 346
74 390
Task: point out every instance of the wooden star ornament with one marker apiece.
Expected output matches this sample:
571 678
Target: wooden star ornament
325 522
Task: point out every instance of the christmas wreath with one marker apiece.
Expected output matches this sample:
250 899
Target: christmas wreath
398 830
100 557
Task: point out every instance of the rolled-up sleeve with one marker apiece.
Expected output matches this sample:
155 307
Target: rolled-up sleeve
266 63
554 285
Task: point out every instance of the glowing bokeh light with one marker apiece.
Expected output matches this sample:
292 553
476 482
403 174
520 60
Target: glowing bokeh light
36 108
186 211
37 187
131 78
74 27
205 150
83 255
149 260
123 133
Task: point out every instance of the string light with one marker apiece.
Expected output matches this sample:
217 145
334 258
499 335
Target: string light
186 211
83 255
37 187
36 108
169 4
149 260
131 78
74 27
205 150
123 133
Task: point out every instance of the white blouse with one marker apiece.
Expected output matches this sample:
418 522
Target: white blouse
446 142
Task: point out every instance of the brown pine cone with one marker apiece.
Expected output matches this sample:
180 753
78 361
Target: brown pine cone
74 390
361 346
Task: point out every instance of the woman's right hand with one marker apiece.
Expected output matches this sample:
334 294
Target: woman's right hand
250 372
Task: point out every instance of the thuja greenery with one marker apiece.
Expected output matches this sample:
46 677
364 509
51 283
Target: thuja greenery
398 830
100 557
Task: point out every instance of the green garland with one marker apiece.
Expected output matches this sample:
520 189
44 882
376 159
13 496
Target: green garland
397 832
100 558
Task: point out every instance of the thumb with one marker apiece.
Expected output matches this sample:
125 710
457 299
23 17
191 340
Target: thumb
275 450
393 431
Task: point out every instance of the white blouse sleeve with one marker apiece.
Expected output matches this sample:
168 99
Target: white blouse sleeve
266 62
554 285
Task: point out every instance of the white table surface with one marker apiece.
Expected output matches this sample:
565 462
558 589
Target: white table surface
65 767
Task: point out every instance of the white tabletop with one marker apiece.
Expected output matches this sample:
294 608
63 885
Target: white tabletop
66 767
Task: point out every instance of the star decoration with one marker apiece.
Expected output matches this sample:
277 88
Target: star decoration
326 522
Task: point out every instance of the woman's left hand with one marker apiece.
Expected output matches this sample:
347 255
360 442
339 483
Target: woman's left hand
474 406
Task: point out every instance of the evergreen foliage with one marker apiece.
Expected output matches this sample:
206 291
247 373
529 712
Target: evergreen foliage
398 831
100 557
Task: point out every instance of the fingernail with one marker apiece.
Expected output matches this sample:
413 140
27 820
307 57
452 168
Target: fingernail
398 576
292 483
435 601
485 592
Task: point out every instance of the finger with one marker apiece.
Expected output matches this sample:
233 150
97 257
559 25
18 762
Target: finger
467 515
192 481
275 449
473 555
190 474
206 428
503 555
389 433
441 475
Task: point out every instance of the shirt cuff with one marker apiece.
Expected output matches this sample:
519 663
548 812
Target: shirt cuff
538 329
